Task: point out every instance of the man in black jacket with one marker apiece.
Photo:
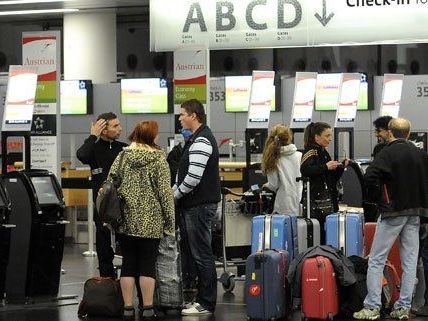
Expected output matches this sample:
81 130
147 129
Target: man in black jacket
400 173
197 192
99 151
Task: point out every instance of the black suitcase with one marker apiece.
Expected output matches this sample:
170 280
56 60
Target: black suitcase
266 286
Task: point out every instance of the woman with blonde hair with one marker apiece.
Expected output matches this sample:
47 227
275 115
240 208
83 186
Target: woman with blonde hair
148 210
281 165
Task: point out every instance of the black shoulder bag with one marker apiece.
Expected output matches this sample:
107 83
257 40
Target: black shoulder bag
109 202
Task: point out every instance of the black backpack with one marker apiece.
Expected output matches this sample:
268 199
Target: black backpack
109 203
101 297
352 297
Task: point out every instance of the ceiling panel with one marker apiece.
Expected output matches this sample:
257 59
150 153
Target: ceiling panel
122 7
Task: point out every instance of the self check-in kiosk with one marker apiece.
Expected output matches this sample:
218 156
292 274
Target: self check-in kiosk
37 242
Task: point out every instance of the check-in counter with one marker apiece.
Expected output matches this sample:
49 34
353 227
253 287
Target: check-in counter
231 174
75 197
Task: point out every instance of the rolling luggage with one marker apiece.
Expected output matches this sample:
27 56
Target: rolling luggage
266 286
277 232
308 229
394 254
345 231
320 297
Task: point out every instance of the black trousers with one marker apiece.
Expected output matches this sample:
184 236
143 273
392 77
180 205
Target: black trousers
103 247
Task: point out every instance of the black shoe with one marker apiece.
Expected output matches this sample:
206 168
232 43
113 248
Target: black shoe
148 313
423 311
128 313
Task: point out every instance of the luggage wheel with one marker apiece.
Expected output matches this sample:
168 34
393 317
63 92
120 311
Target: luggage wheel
330 316
227 280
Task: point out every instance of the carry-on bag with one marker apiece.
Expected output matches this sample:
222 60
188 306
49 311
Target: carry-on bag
169 284
266 286
101 297
320 296
394 253
345 231
308 229
277 232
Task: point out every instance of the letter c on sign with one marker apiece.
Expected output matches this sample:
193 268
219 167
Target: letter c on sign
249 15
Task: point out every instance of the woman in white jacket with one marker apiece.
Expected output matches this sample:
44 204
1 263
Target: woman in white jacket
281 165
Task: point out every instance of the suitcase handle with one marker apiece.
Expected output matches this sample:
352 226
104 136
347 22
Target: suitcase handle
307 185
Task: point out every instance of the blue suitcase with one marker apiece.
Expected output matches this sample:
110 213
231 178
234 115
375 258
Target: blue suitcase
345 231
266 293
277 232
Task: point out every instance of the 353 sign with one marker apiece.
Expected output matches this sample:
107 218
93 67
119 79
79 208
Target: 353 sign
422 91
217 96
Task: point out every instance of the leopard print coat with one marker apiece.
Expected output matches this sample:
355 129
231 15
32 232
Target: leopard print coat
145 189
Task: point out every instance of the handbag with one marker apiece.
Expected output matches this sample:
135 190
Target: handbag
109 202
101 297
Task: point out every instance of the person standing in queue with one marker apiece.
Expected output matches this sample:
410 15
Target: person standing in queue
99 151
197 192
281 165
148 214
399 174
322 171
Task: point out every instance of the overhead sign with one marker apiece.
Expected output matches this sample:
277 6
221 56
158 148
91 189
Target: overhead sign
260 99
349 94
236 24
20 97
304 97
391 94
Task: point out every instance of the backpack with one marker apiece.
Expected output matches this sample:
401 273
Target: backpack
352 297
109 202
101 297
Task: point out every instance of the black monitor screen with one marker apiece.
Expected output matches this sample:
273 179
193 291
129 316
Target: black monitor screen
45 190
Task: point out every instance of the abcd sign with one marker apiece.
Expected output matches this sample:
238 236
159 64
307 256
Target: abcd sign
236 24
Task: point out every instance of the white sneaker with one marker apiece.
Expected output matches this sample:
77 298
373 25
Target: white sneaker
195 309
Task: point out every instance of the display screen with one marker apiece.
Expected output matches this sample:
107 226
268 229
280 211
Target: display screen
144 95
363 98
76 97
328 90
20 98
238 89
45 190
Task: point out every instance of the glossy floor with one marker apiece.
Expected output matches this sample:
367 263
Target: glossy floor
78 268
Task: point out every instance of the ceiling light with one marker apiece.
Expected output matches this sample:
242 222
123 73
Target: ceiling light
9 2
22 12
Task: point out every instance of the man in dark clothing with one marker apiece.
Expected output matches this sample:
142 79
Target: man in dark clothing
99 151
381 132
400 173
197 192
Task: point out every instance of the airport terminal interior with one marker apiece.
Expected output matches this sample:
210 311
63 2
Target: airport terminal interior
124 56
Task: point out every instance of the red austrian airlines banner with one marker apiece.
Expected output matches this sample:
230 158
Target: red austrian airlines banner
41 50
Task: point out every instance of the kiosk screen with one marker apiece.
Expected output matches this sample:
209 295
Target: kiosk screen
45 190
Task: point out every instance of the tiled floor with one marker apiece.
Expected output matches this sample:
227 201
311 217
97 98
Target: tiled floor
78 268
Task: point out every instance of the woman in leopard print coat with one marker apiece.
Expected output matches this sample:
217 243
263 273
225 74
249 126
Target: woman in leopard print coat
148 211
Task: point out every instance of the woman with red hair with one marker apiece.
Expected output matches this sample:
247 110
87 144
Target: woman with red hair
148 208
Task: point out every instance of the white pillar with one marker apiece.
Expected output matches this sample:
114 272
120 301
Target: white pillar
90 46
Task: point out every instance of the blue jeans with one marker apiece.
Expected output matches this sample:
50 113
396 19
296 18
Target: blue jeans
388 229
198 221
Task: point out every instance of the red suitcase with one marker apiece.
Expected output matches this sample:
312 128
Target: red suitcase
320 297
394 254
